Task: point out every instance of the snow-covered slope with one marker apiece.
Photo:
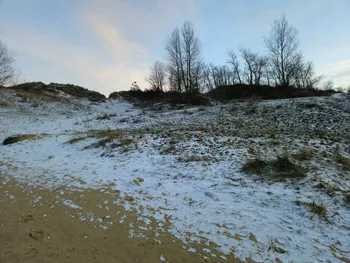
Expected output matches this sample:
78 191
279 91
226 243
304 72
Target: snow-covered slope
183 167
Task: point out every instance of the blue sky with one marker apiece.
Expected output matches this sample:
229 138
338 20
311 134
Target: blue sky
105 45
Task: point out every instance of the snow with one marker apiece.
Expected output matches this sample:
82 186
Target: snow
203 200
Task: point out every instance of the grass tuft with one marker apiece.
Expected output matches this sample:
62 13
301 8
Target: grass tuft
315 208
19 138
304 154
343 160
281 167
75 140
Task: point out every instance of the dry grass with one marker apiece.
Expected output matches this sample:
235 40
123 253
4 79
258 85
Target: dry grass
281 167
347 199
105 136
271 132
4 104
304 154
198 158
343 160
19 138
254 165
315 208
100 143
75 140
106 116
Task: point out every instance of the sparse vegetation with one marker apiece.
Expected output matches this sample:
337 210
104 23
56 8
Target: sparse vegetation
106 116
19 138
304 154
315 208
75 140
281 167
343 160
271 132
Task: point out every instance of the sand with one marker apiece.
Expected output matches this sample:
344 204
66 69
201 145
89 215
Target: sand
37 226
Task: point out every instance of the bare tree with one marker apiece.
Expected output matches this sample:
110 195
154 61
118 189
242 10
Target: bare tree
249 64
184 58
6 62
283 45
235 65
260 69
306 77
207 78
157 77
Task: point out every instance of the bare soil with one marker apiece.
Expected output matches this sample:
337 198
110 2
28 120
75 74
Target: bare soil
36 226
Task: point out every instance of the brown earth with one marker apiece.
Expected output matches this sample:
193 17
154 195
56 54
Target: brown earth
36 226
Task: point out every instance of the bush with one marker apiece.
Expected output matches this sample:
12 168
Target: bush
151 97
243 91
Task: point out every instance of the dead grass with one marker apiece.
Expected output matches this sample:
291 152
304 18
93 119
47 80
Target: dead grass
271 132
255 165
106 116
100 143
315 208
19 138
281 167
304 154
75 140
198 158
104 136
343 160
4 104
347 199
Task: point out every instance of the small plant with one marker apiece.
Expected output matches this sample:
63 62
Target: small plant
103 117
186 111
255 165
341 159
172 142
304 154
75 140
347 199
309 105
19 138
315 208
281 167
271 132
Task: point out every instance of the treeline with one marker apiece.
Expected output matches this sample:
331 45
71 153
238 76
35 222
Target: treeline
184 70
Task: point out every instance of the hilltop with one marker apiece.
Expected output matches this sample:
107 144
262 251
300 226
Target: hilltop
245 181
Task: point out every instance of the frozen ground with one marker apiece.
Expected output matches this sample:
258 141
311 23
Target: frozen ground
183 167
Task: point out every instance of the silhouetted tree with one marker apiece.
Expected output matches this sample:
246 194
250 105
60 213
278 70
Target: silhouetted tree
184 58
233 61
306 77
157 77
284 54
135 86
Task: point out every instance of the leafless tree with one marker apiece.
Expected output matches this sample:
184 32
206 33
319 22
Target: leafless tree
255 66
249 59
283 45
233 60
207 78
306 77
6 65
184 58
157 77
329 85
214 76
260 70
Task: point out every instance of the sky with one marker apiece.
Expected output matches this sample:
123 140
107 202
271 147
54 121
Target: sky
106 45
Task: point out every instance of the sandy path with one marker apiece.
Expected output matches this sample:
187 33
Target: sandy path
36 226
